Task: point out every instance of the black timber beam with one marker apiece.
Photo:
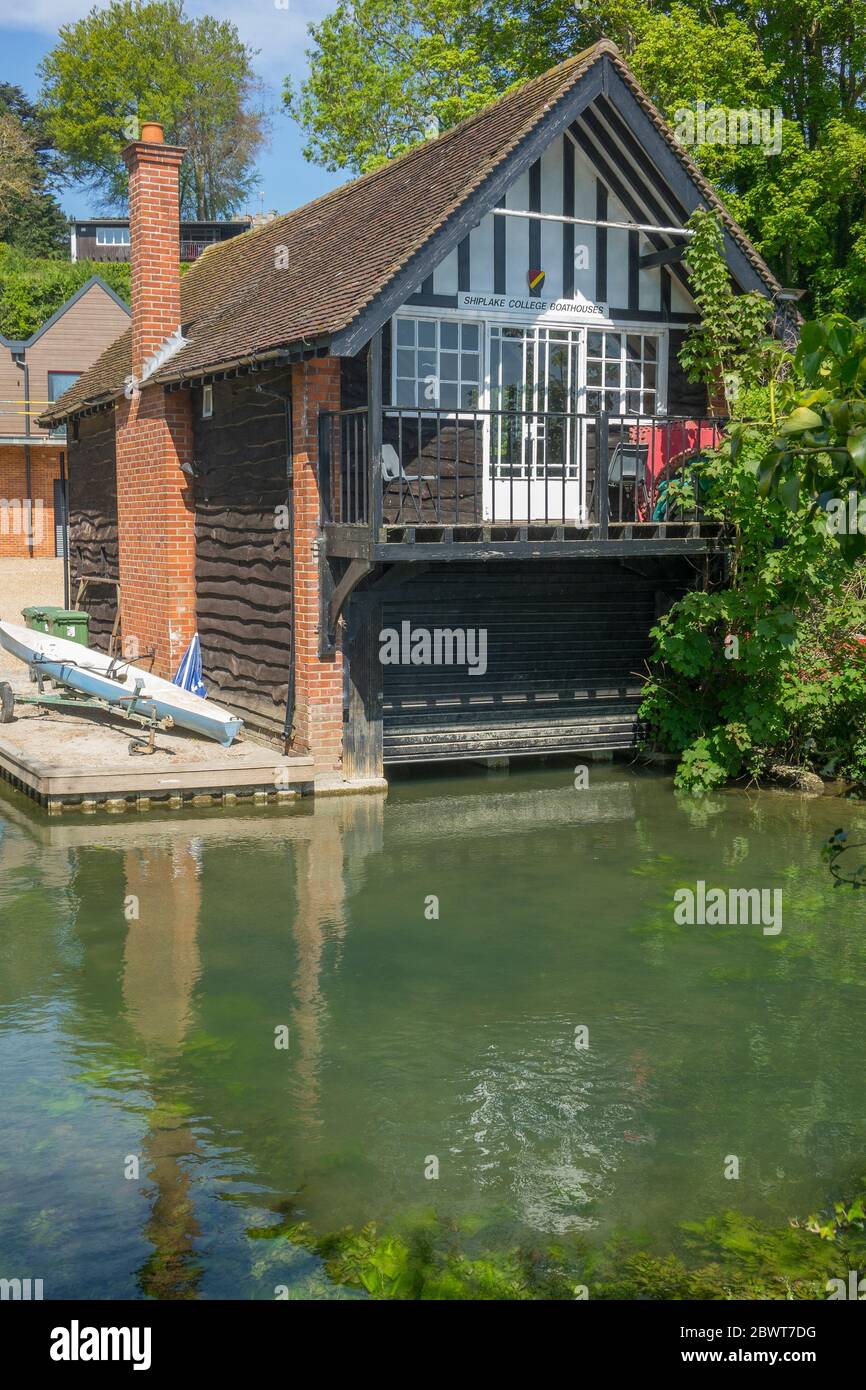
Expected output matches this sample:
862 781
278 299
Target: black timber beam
665 257
433 551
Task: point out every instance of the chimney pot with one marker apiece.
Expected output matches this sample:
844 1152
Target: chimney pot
152 133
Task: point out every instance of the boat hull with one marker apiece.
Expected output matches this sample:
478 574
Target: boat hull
86 670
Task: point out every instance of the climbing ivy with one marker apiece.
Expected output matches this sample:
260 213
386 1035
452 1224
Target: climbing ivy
729 350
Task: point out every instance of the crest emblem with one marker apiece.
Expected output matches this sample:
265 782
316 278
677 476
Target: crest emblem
535 279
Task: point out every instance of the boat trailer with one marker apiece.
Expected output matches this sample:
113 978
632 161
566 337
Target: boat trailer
124 706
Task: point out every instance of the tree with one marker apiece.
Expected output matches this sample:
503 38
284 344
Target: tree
16 163
380 72
30 217
140 60
387 74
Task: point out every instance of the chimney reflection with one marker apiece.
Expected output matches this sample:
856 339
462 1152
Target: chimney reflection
161 966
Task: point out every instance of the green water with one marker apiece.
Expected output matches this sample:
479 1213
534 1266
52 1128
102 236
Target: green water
146 962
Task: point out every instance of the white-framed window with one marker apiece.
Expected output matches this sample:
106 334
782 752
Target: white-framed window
112 236
622 372
206 402
437 363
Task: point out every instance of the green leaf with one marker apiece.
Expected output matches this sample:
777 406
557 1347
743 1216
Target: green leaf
857 449
801 420
789 491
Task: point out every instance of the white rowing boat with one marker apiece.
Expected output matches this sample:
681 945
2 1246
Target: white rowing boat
116 682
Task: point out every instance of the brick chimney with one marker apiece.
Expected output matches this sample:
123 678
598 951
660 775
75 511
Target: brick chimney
155 505
154 217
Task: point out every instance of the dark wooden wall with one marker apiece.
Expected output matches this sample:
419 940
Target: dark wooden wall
93 520
243 561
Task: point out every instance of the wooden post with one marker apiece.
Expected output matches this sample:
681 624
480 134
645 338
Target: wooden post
362 746
603 470
374 431
325 425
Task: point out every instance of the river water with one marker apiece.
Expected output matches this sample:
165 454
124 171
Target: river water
471 998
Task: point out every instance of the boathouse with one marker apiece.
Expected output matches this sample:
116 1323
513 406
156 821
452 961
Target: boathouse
445 397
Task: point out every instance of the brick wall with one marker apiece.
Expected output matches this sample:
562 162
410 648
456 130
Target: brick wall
155 506
44 469
156 526
318 681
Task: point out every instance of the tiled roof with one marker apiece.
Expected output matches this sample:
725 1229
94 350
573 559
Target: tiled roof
307 275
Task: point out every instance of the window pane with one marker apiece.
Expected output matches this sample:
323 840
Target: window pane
427 365
649 376
594 343
426 333
448 395
612 344
58 382
649 402
469 366
593 402
632 347
405 393
593 373
405 362
632 373
611 402
611 374
405 331
470 336
650 349
632 402
448 335
448 366
469 397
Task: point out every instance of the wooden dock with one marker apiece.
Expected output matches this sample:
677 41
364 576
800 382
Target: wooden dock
71 762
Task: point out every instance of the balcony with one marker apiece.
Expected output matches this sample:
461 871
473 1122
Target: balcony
191 250
412 484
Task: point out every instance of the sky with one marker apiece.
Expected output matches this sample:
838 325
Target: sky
28 29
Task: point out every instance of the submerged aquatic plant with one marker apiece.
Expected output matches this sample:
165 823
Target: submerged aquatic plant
731 1256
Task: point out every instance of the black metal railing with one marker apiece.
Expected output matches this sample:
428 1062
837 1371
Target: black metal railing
512 467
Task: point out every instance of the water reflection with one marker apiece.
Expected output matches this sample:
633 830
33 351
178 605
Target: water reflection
454 1037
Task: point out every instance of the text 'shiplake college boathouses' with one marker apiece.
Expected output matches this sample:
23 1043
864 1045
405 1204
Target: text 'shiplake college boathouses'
445 395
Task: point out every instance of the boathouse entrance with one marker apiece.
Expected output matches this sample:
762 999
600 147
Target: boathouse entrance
556 656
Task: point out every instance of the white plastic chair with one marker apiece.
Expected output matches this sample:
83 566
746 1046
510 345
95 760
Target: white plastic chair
394 472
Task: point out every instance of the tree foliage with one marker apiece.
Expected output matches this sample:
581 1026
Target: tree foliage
384 74
30 216
770 665
817 456
139 60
